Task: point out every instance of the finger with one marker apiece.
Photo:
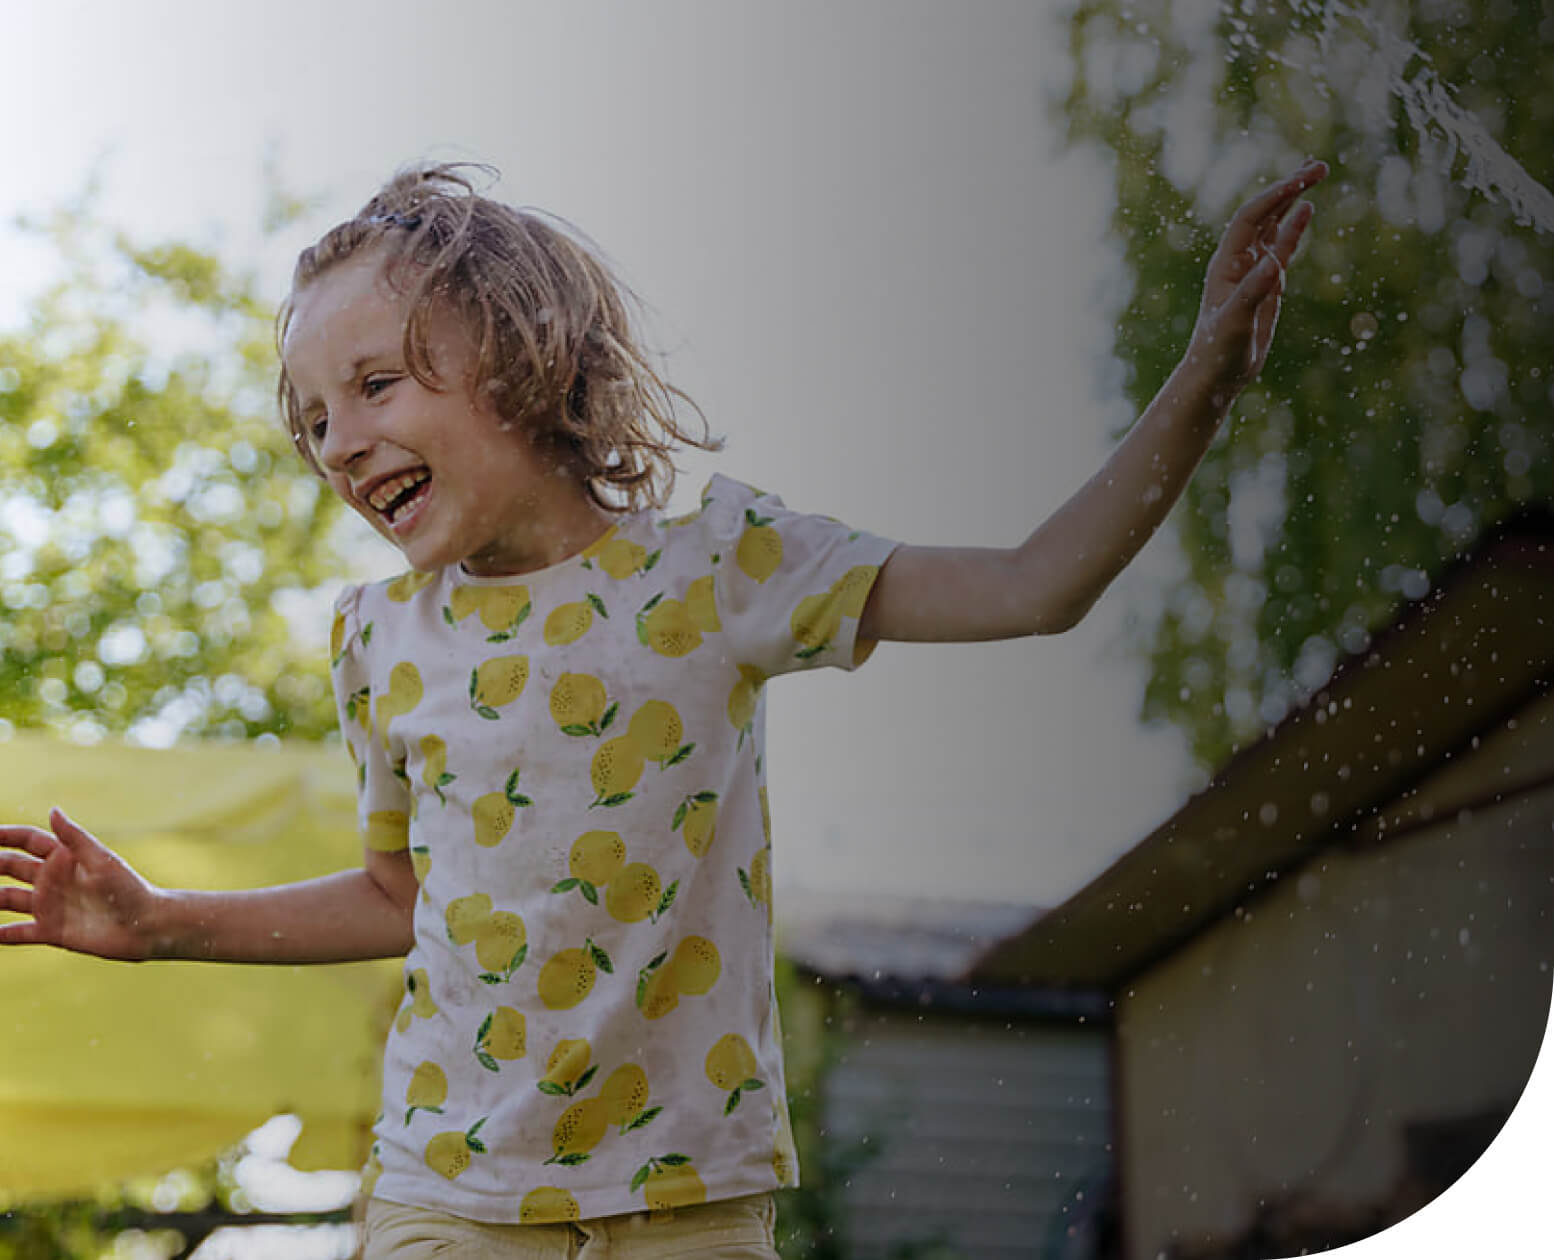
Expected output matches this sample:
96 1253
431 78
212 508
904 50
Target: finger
1268 207
1263 281
1291 231
81 843
24 932
20 866
34 840
16 900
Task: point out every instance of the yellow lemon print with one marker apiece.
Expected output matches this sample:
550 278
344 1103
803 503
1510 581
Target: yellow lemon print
336 638
568 977
427 1091
578 1131
568 1069
620 558
785 1159
420 1005
403 588
494 812
596 857
465 915
657 990
757 881
403 694
434 765
497 682
579 706
616 767
669 1181
590 552
658 732
388 830
731 1067
501 945
697 814
448 1154
759 553
852 589
743 698
502 609
625 1096
567 623
634 894
814 623
358 709
503 1034
665 625
547 1205
421 863
701 603
696 965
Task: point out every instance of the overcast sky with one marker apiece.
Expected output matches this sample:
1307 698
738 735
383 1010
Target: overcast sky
866 260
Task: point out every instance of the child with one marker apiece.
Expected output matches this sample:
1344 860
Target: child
556 718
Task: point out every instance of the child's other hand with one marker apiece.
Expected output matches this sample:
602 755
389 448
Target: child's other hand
80 894
1245 282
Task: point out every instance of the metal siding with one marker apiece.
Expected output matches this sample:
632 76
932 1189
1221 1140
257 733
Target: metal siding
985 1129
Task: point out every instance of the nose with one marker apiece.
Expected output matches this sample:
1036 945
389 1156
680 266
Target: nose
346 440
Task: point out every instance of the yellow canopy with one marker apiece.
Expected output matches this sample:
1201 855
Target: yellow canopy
110 1070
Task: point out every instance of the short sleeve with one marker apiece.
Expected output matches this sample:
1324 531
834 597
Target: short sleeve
790 586
382 798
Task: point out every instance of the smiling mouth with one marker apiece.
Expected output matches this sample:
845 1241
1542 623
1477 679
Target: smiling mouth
398 497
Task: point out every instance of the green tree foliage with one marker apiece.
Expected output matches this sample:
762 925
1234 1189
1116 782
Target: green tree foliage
1407 404
153 518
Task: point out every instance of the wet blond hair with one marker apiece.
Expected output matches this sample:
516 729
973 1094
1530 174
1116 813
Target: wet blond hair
555 334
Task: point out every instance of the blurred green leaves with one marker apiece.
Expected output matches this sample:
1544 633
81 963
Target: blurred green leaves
1407 403
155 526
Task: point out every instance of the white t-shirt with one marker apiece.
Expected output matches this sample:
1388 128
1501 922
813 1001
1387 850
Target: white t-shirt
574 759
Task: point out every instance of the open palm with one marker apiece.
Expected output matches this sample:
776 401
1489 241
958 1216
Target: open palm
1244 284
79 894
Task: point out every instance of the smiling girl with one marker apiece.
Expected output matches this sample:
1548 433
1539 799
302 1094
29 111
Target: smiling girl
557 720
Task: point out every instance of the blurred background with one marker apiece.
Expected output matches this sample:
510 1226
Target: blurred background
920 265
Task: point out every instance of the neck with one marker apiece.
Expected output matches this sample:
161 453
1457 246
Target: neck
562 524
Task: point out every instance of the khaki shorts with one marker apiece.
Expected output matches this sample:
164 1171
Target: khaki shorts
733 1229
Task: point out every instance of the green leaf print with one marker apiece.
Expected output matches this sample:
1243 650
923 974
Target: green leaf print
601 959
681 753
553 1088
597 605
642 1119
486 1061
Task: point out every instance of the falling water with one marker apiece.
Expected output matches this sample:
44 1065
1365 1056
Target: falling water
1443 128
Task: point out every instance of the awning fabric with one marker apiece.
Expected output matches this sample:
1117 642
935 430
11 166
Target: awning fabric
110 1070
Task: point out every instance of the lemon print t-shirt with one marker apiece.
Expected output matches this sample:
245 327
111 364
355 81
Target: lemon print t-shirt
574 760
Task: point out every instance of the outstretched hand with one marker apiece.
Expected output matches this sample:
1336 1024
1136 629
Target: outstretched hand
1245 282
80 895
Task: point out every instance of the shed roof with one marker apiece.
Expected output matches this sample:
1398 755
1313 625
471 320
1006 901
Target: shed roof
915 951
1450 668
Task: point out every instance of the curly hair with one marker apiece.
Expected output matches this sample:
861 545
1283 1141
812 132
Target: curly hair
557 349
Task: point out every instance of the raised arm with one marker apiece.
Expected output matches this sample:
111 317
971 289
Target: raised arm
81 896
1051 580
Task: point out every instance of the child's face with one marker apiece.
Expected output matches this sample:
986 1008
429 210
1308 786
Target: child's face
434 471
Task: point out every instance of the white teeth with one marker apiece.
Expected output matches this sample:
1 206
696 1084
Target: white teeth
386 492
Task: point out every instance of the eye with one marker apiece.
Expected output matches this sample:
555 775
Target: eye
317 425
372 386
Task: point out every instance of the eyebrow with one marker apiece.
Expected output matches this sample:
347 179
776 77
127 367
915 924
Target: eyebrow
350 374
